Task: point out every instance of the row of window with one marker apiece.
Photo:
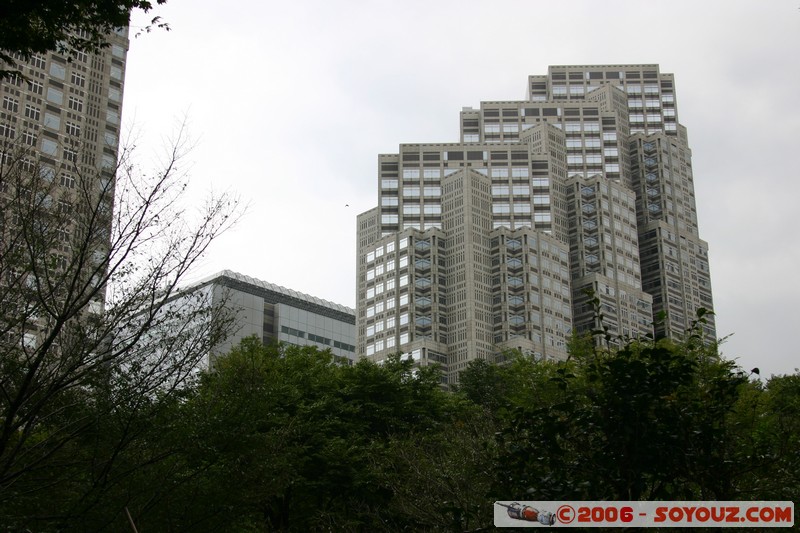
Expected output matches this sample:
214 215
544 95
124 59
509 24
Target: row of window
317 338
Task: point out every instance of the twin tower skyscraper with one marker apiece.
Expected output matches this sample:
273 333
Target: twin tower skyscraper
503 239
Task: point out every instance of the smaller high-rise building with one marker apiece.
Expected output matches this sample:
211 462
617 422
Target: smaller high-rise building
275 314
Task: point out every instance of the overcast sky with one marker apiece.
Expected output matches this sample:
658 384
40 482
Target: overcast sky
290 103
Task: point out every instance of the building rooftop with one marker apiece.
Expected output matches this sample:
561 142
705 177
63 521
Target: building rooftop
264 285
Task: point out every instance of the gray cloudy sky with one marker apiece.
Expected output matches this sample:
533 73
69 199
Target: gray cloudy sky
290 103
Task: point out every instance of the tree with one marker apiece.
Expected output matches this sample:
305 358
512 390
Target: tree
283 438
27 28
90 328
644 419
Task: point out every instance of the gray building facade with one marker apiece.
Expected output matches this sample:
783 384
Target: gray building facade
495 241
276 314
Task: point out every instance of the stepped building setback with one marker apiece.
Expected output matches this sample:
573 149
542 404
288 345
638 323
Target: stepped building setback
494 242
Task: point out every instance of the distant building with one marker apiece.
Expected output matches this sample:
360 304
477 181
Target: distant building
492 242
273 313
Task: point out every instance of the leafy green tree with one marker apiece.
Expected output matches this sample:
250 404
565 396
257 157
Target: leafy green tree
643 420
283 438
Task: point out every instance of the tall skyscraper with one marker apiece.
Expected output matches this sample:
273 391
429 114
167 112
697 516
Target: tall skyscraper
66 111
496 242
59 142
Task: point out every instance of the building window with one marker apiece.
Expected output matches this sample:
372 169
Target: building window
501 209
519 172
410 173
35 87
67 180
73 129
75 104
32 112
10 104
37 61
55 96
7 131
57 71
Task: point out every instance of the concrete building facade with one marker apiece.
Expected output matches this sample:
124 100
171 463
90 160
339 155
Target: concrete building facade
496 241
275 314
66 111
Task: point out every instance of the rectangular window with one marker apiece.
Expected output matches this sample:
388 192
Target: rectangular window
32 112
35 87
75 104
37 61
592 142
7 131
519 172
57 71
410 173
10 104
54 95
432 174
500 172
67 180
432 209
73 128
501 209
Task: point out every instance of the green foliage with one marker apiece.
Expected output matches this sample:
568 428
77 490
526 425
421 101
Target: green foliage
646 419
284 438
290 440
